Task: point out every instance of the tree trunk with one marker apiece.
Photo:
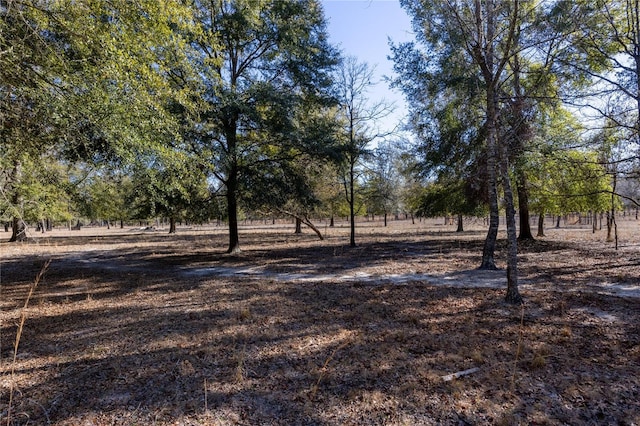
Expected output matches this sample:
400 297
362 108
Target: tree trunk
172 225
513 294
541 224
488 261
232 185
331 222
352 209
298 226
232 211
385 220
19 230
307 222
460 225
303 219
523 207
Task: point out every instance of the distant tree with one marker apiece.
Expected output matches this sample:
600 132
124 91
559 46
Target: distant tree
101 194
382 179
449 199
359 118
170 186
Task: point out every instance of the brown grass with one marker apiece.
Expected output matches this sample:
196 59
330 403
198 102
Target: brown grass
121 330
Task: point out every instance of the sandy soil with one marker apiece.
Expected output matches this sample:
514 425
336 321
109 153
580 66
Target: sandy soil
141 327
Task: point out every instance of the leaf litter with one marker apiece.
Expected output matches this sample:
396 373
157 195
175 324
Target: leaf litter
143 328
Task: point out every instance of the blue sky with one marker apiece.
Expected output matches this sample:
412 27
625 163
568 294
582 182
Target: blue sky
361 28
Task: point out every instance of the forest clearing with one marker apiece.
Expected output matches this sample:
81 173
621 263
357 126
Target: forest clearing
142 327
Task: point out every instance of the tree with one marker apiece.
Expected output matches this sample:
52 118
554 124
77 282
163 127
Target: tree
482 34
170 185
259 62
358 118
603 47
382 189
89 86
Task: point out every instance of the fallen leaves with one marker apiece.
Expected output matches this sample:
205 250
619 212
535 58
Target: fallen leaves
151 346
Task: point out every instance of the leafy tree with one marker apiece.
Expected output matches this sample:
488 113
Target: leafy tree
102 194
43 196
443 198
383 192
260 61
171 186
480 38
602 46
89 86
328 191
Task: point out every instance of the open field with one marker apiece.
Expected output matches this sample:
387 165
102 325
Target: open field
131 327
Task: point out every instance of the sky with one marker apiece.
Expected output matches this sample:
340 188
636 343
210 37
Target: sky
362 28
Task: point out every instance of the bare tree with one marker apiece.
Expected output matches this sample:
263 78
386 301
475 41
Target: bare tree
359 119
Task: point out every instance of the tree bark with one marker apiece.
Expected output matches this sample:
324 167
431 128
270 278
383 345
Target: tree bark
513 294
352 209
232 212
19 230
232 185
541 224
298 226
172 225
488 251
303 219
523 207
460 225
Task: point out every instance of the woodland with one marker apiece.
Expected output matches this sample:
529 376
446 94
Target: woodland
207 223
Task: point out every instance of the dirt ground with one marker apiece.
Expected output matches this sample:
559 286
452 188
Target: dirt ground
134 327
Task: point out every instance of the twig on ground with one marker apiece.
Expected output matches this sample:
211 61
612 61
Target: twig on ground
452 376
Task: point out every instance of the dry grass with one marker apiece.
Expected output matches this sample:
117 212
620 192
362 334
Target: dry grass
120 332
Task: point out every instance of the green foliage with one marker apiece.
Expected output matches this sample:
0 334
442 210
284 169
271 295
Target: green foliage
447 198
40 193
260 63
171 186
102 195
569 181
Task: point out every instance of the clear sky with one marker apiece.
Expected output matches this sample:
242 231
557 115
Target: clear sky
362 28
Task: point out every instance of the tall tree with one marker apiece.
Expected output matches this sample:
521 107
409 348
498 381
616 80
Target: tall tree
259 60
483 33
359 118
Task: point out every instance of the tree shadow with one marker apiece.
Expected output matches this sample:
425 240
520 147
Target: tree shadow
268 352
143 342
